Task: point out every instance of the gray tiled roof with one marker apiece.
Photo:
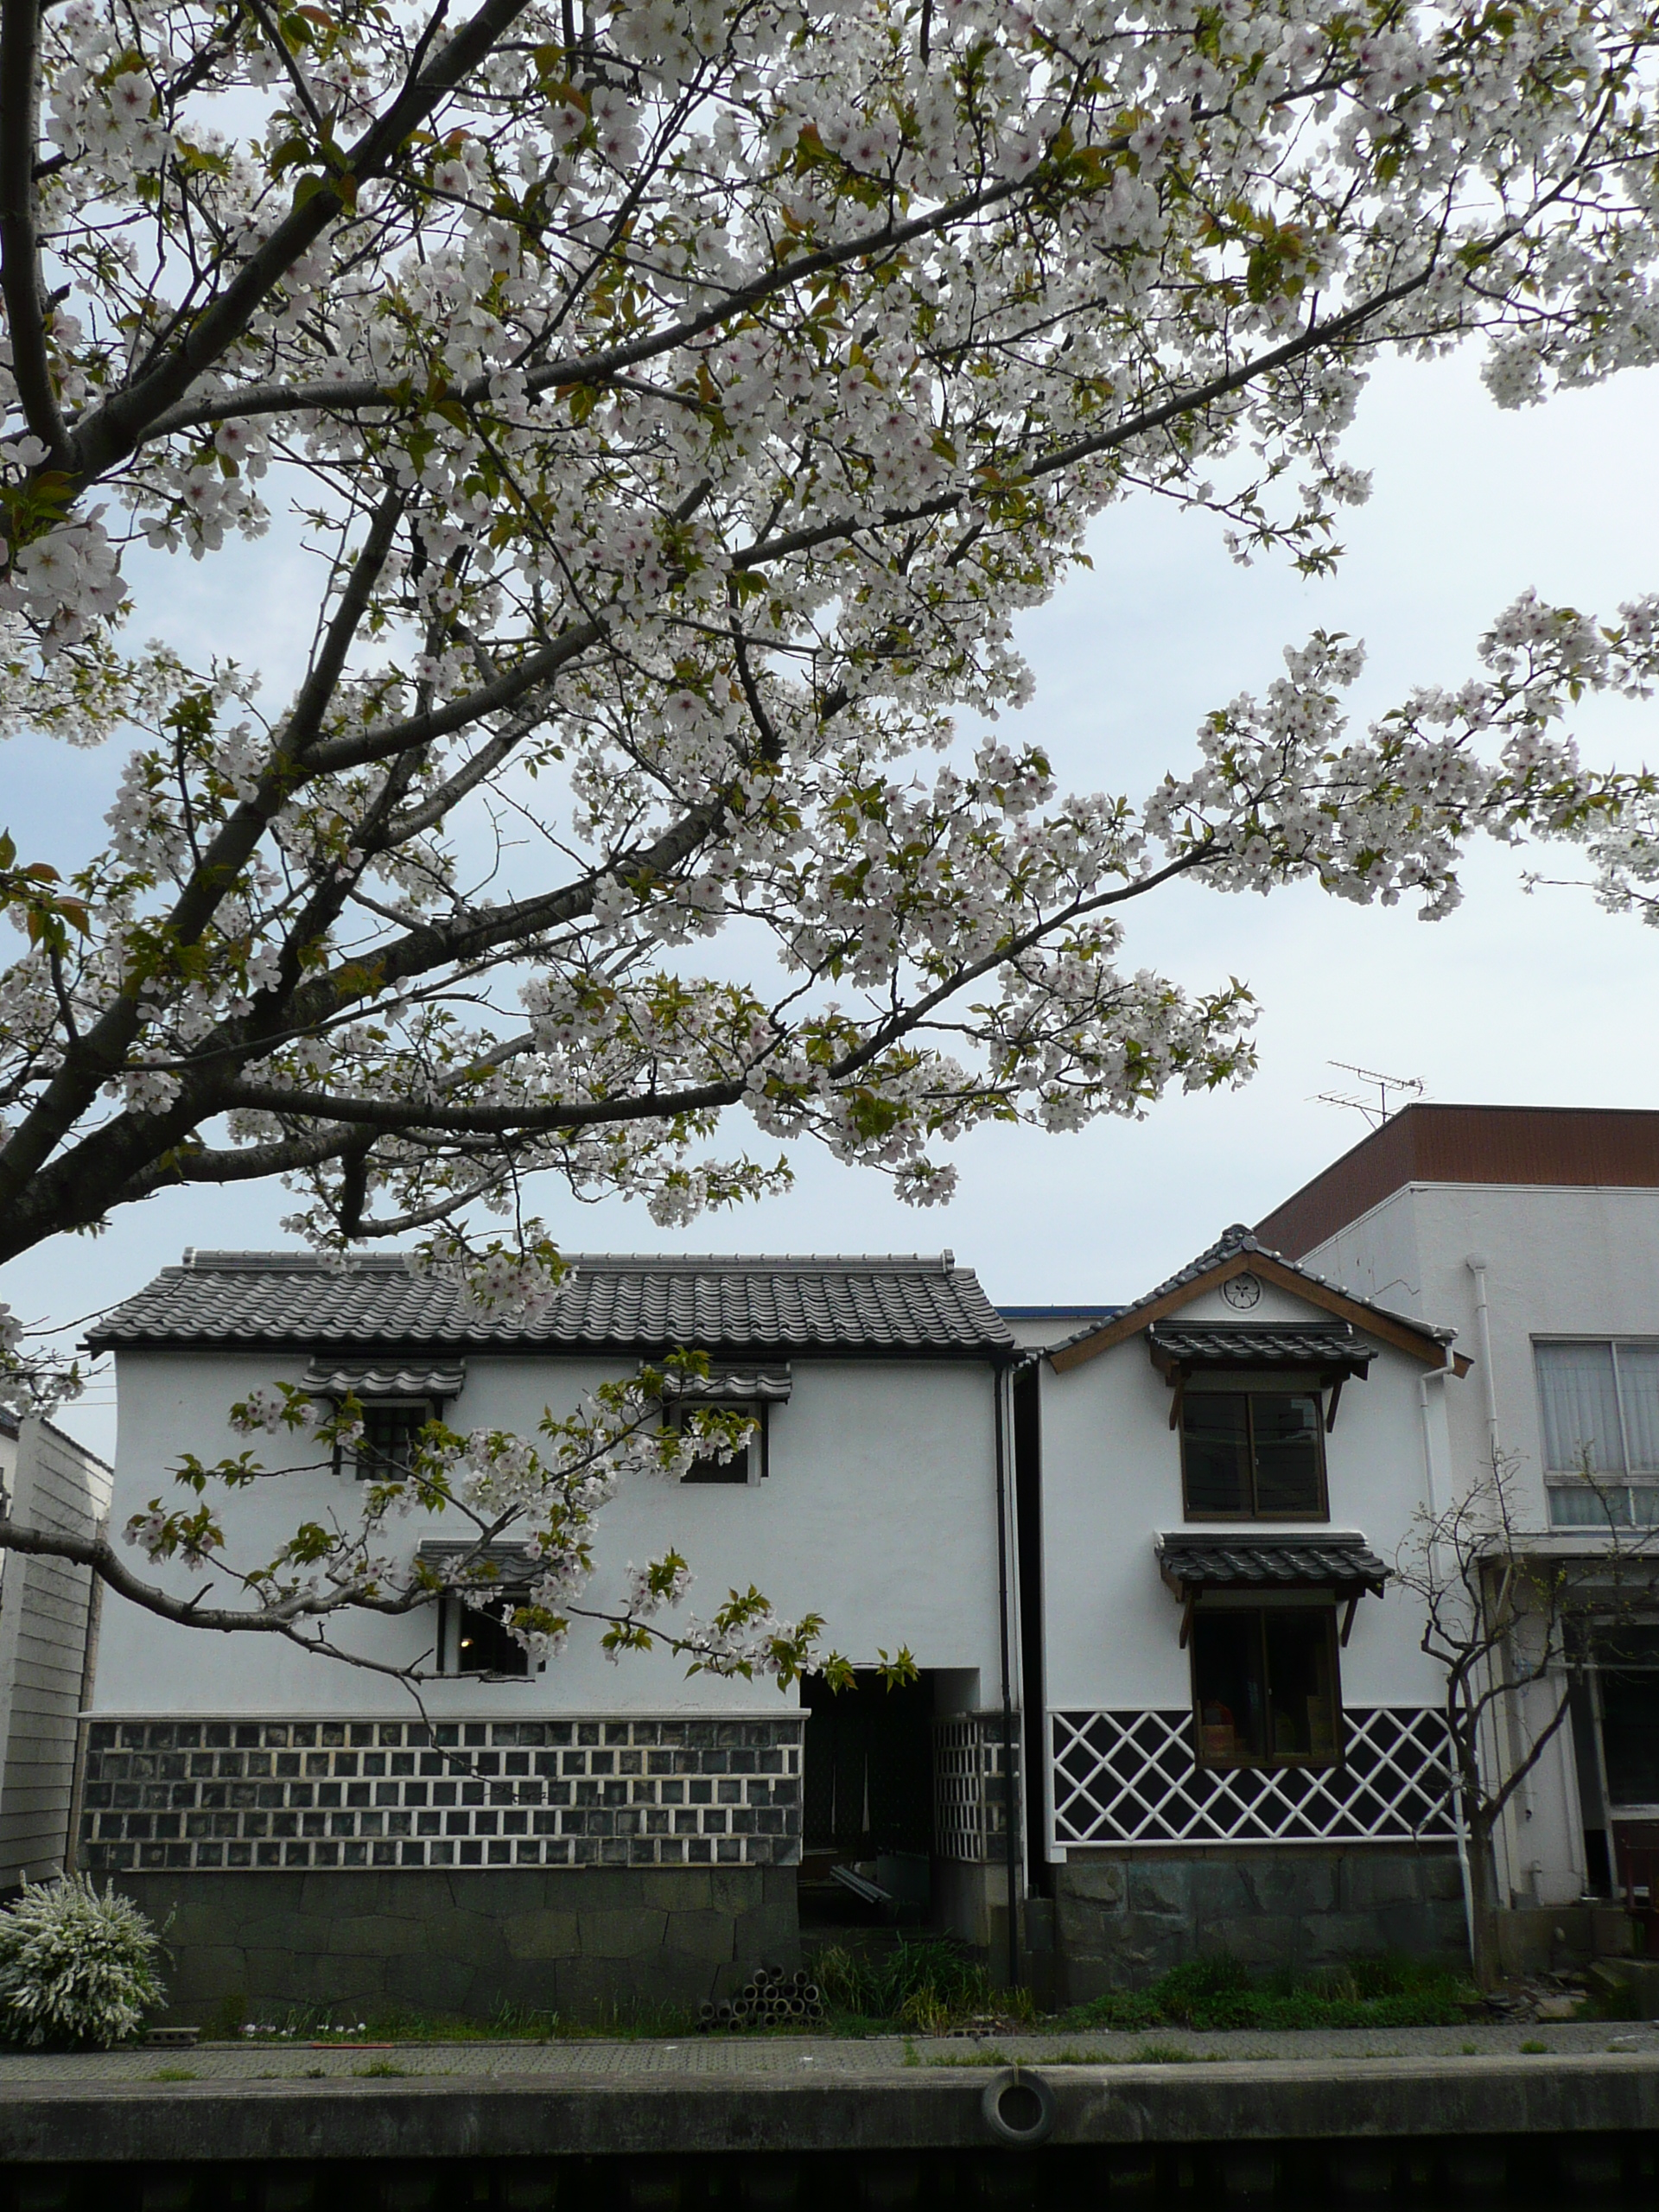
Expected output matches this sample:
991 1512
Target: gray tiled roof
1261 1344
368 1378
729 1386
775 1304
1266 1561
1228 1246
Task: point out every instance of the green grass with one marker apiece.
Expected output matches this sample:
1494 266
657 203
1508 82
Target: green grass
174 2074
1149 2054
1220 1993
928 1983
1535 2048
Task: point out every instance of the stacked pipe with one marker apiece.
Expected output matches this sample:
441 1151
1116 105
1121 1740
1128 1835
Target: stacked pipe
769 1998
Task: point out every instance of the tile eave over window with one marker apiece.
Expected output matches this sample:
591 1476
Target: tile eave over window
1333 1349
747 1386
365 1378
1340 1561
507 1565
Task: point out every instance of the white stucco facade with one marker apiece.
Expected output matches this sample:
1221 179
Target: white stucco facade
1563 1261
1112 1468
1112 1487
878 1510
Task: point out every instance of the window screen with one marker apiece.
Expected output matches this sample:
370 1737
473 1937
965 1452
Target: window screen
1252 1455
391 1436
1264 1686
1599 1403
1580 1402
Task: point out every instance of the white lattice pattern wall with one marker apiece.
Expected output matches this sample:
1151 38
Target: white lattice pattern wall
1131 1777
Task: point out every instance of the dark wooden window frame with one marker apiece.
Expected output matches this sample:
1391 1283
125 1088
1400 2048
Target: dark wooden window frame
1249 1392
1277 1761
428 1408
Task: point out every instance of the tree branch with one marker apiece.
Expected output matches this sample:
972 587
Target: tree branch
20 283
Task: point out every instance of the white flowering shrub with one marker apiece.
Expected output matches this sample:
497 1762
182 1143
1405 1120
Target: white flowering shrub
76 1966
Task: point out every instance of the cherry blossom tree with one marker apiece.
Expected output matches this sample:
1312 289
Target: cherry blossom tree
680 399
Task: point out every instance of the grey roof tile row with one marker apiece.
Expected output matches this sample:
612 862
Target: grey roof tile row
1202 1343
1264 1560
762 1303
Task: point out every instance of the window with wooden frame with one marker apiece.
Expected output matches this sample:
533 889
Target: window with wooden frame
1266 1691
1252 1455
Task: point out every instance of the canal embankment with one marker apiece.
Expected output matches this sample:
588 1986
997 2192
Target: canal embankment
1420 2117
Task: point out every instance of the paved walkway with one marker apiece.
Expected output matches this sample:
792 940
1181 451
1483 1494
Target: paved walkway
799 2057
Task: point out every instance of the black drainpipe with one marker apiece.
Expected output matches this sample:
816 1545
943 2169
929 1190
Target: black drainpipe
999 1382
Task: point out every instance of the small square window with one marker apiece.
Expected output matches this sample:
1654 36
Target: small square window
473 1639
747 1464
391 1435
1265 1686
1252 1455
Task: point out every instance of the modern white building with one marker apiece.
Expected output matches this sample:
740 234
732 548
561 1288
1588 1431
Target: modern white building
1535 1230
589 1831
1240 1740
49 1613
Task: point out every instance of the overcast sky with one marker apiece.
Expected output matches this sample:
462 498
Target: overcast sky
1516 999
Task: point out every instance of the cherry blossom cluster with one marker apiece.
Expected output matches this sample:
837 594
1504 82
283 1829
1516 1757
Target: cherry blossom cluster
683 399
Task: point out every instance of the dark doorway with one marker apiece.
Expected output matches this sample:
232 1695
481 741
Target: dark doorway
868 1799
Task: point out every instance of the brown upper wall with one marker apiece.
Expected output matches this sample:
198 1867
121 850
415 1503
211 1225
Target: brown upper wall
1469 1144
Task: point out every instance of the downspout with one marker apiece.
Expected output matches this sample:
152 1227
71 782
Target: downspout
1423 1380
999 1373
1514 1723
1477 1266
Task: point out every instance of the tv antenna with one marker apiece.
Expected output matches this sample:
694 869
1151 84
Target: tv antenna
1377 1110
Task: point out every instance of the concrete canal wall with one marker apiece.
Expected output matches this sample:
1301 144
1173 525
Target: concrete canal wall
1337 2103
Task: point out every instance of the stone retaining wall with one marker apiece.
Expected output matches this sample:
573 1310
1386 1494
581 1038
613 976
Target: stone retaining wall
574 1941
1121 1919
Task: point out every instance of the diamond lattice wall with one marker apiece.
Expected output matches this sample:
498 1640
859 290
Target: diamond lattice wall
1131 1777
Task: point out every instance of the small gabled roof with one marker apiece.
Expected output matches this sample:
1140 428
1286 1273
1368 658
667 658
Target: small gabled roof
1236 1252
753 1307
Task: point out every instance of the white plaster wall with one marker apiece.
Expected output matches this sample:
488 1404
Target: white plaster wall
1575 1262
879 1512
1112 1481
1572 1261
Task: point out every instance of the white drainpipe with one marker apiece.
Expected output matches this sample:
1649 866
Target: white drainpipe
1476 1264
1428 1375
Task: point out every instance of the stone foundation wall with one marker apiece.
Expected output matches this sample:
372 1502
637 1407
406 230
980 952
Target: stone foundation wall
574 1941
1123 1919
